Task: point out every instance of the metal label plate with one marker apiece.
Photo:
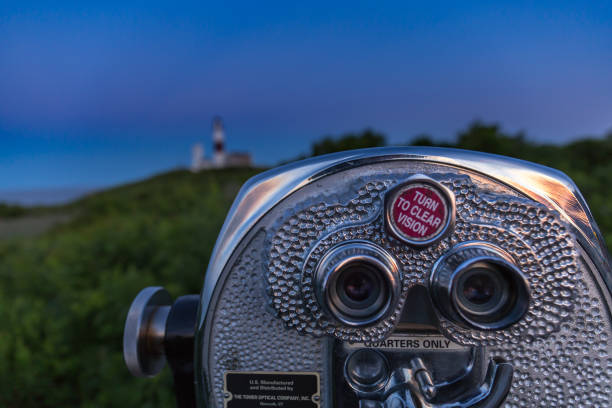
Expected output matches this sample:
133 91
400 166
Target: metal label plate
261 389
414 342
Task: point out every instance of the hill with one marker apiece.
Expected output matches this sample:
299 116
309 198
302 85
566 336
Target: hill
65 293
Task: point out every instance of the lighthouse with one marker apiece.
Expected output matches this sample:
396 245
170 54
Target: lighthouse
220 158
218 142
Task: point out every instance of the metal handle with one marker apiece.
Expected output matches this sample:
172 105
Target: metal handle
145 330
157 330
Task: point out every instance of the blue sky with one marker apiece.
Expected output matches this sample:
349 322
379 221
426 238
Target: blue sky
97 93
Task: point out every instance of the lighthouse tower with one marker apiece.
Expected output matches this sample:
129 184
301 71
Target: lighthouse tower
219 157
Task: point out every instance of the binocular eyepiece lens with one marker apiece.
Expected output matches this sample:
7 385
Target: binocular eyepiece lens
484 291
479 286
360 288
479 289
357 283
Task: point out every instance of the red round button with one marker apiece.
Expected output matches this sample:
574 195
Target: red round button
419 212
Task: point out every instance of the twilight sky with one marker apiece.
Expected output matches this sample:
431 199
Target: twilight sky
97 93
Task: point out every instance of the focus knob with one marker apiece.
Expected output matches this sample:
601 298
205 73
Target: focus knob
366 370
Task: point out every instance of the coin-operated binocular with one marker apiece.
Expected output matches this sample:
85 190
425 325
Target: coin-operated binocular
402 277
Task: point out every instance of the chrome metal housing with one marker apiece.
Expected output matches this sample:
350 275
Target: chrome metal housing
263 193
537 182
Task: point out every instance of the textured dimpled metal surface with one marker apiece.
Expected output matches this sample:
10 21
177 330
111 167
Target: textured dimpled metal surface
247 336
566 318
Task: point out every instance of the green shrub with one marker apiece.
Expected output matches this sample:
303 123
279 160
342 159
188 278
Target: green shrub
64 295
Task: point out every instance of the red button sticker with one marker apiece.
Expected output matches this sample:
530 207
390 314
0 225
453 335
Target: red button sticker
419 212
